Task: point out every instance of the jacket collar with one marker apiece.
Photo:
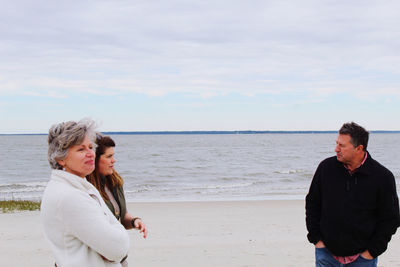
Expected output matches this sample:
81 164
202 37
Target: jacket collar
74 180
365 168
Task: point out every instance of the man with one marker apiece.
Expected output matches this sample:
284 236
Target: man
352 208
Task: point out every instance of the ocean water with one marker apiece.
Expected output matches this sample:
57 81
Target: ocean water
195 167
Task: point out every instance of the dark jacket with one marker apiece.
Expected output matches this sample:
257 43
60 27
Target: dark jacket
118 193
352 213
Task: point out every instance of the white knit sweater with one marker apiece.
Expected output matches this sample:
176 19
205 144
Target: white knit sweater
79 225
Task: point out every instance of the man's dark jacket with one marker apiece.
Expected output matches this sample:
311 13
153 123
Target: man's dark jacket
352 213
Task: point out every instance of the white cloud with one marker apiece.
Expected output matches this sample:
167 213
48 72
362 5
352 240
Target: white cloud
208 49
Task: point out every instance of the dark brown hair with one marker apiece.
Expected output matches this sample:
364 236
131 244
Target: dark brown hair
359 136
111 181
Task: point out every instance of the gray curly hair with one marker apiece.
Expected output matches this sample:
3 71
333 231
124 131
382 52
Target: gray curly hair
64 135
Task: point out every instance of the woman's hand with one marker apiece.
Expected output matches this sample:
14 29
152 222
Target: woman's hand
138 224
135 222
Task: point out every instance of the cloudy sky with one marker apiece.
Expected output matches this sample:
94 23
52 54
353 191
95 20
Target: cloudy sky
200 65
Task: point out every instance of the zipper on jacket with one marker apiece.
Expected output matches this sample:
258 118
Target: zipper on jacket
348 185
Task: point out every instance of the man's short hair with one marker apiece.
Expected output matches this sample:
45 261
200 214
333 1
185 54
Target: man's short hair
359 136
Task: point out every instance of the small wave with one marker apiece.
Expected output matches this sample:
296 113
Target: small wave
150 183
221 186
22 191
255 174
286 180
289 171
231 179
23 187
139 190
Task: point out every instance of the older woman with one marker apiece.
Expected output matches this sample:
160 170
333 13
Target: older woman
109 183
78 224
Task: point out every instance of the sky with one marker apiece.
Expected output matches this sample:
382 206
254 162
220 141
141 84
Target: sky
200 65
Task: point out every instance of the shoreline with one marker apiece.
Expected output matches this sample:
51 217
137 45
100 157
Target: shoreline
147 202
254 233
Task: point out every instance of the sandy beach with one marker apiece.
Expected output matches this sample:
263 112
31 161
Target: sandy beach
196 234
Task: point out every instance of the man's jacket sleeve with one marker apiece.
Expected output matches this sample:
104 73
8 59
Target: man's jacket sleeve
313 208
388 215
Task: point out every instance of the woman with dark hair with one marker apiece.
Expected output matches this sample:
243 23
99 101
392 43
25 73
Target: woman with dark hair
110 184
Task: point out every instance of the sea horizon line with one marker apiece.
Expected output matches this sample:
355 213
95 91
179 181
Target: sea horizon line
213 132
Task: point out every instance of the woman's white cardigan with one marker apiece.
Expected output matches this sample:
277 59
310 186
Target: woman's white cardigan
79 225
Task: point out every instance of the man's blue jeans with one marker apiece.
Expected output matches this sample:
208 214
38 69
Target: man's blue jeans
323 258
